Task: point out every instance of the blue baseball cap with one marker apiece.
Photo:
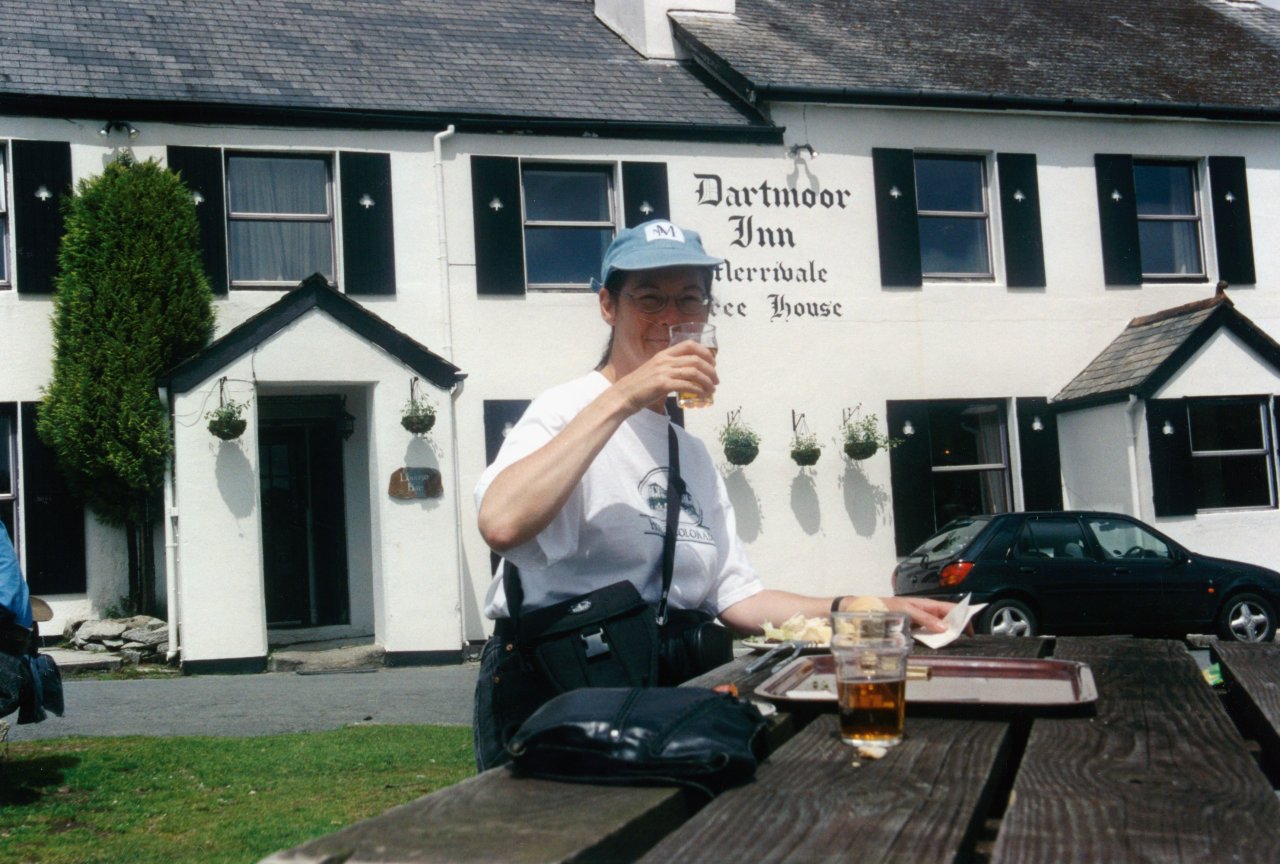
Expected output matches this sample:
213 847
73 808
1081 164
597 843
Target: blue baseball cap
654 244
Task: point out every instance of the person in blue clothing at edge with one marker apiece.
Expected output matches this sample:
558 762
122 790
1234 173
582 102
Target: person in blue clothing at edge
565 500
17 624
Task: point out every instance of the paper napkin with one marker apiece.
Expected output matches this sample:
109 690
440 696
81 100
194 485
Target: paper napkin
956 620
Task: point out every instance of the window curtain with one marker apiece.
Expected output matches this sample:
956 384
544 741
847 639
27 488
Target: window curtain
267 250
995 498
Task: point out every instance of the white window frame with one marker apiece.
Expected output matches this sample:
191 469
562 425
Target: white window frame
1004 466
329 159
1265 451
1194 167
6 233
611 170
9 453
985 214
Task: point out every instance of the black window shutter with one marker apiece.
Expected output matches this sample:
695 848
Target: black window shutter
644 192
499 226
498 415
41 180
1118 216
897 224
201 170
1232 230
1172 484
1038 449
911 475
1020 220
52 517
368 245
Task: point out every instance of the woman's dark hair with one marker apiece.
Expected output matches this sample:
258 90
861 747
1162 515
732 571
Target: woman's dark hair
614 286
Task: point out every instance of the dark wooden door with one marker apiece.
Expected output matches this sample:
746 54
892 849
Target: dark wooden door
303 522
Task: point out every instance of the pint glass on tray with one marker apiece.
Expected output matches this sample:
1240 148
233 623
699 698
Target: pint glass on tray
870 651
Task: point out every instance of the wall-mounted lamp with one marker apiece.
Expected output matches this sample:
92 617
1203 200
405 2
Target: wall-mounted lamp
118 126
366 201
908 429
1167 428
43 193
794 150
1037 425
197 198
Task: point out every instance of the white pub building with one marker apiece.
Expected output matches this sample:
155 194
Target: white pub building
1003 227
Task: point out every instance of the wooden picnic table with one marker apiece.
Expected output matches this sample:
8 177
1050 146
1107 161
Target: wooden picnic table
1155 770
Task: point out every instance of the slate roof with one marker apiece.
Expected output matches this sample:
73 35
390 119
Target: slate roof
1152 348
1215 58
313 292
387 61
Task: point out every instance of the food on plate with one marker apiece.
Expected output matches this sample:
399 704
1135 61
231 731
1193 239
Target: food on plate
799 628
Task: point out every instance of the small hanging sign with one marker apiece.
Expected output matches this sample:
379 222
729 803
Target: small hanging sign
410 483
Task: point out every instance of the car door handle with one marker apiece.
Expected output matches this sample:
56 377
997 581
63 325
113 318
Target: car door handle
1025 569
1119 569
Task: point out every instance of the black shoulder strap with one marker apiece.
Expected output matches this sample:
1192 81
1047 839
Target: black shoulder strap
675 497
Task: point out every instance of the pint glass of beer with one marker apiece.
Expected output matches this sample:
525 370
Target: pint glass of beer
870 651
703 334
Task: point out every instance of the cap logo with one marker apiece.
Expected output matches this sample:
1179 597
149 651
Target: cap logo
663 231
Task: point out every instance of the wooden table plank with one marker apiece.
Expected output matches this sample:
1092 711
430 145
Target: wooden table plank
496 817
924 801
1159 774
1252 677
500 817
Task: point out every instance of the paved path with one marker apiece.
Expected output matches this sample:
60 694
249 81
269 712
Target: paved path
270 703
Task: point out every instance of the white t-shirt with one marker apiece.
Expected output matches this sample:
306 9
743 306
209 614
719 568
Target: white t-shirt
613 524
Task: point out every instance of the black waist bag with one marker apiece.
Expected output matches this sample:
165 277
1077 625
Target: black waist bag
688 736
607 638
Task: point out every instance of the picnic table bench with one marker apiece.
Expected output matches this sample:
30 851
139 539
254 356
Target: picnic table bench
1155 770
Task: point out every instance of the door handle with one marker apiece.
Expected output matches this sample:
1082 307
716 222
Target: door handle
1025 569
1119 569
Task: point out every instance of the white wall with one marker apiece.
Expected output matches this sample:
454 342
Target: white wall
411 573
823 530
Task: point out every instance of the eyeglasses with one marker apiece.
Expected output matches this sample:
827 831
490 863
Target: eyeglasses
653 302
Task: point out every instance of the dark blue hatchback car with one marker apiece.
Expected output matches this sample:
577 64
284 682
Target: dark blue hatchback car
1084 572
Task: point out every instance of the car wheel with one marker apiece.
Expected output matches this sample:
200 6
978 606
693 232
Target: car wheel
1247 618
1007 618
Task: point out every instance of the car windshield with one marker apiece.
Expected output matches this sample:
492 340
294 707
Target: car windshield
953 537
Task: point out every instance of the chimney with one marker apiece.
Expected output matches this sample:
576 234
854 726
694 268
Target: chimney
644 24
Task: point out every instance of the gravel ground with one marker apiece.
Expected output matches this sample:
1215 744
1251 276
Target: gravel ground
264 704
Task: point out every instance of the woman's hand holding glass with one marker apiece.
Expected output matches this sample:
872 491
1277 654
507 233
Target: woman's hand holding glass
683 367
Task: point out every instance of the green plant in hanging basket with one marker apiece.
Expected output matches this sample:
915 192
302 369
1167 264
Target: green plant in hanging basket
862 438
419 415
226 421
741 443
805 449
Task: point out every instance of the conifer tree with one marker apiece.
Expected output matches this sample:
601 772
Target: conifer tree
132 301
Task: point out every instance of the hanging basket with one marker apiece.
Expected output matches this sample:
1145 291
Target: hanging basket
806 456
419 423
419 414
860 449
226 426
741 452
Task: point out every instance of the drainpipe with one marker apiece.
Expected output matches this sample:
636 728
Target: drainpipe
442 259
170 545
1135 492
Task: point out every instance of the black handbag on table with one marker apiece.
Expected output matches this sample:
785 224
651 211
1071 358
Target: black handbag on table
611 637
639 736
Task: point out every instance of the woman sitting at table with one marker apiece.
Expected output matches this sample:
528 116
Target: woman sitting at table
567 500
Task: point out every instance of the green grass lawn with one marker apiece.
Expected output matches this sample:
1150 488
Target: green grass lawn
136 800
